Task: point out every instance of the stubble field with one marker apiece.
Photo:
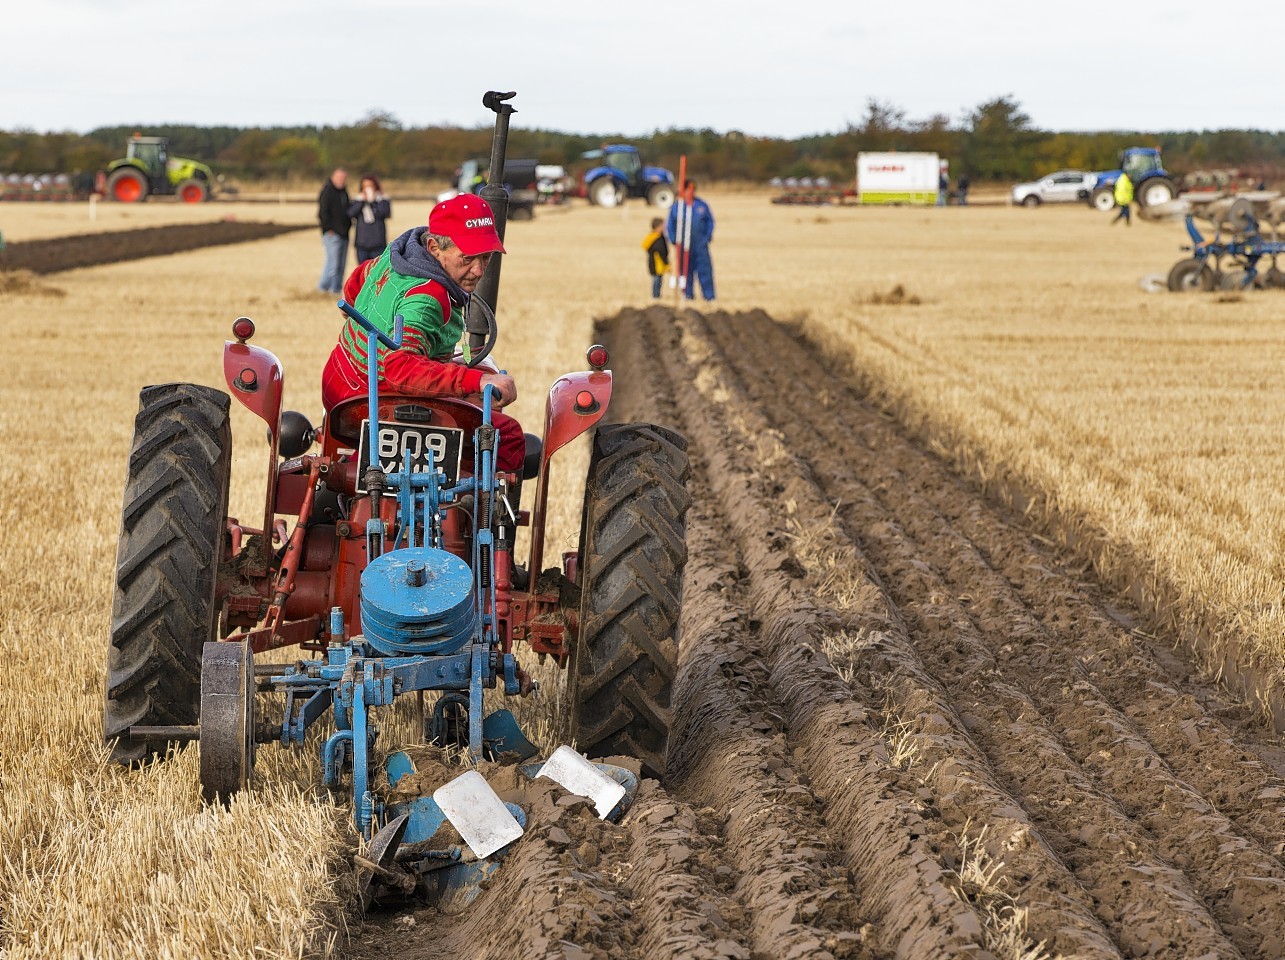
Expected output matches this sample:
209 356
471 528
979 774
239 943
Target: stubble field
944 544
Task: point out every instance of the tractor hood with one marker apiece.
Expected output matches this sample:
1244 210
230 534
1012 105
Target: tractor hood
657 175
189 166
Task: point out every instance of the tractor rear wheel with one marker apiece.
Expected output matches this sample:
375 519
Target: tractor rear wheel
193 191
127 185
171 542
1191 275
605 192
1103 198
1156 191
632 553
661 195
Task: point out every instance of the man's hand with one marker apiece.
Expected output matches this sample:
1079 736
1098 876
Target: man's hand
504 383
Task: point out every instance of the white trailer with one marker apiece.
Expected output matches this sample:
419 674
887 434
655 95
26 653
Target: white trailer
898 177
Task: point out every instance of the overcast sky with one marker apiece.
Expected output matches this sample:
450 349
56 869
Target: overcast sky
780 69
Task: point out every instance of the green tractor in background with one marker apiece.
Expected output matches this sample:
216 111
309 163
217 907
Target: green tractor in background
148 169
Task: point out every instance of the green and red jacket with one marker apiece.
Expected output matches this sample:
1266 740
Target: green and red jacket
404 279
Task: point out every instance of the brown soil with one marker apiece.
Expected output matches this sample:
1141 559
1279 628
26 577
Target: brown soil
95 249
881 672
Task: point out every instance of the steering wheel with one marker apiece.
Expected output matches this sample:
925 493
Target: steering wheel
480 338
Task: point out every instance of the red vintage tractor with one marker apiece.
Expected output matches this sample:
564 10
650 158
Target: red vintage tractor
385 551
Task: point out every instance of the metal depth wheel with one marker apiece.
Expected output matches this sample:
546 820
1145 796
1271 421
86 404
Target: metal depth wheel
127 185
632 552
227 719
171 541
193 190
1240 216
1233 279
1191 275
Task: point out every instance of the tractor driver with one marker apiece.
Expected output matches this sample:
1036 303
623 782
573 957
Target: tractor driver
427 275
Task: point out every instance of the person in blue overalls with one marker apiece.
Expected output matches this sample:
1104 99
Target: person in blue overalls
699 265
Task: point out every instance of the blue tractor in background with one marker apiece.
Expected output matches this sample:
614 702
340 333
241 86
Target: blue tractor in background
621 175
1152 184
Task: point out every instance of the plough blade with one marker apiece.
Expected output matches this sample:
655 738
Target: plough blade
449 876
574 773
380 857
502 735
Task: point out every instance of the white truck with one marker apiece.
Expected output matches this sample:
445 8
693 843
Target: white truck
899 178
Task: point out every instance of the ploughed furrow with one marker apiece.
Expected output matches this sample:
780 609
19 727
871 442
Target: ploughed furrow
728 754
962 791
94 249
1181 719
874 650
681 879
1184 926
653 886
906 891
1186 721
1012 653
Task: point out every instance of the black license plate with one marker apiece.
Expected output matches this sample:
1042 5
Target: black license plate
402 445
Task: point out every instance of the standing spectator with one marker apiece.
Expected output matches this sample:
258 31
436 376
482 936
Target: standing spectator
1123 197
332 214
657 254
370 211
699 265
943 187
961 189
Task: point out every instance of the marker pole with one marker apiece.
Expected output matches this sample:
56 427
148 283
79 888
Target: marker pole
677 277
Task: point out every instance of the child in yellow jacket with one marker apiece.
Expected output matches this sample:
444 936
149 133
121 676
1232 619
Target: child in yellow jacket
1123 197
657 254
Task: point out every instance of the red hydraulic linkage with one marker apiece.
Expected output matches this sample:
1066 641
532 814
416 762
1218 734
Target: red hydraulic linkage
277 632
293 556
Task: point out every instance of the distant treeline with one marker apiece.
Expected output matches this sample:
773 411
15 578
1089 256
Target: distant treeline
996 141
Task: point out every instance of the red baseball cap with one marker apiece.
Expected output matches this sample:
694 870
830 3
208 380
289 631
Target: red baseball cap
467 219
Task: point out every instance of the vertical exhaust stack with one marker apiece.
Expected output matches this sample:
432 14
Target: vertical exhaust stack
497 197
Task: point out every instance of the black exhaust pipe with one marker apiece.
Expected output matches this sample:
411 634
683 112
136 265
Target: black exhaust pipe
488 289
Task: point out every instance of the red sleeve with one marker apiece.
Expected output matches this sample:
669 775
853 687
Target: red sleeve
352 286
417 375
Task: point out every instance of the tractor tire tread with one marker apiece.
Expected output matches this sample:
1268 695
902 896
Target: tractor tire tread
633 550
170 545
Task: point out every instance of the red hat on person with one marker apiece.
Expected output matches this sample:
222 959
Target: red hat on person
467 219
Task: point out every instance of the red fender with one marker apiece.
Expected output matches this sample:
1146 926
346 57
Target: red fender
254 377
565 418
